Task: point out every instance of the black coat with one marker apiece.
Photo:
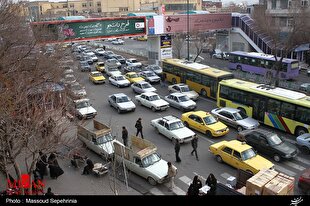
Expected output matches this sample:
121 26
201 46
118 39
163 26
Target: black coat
138 125
194 143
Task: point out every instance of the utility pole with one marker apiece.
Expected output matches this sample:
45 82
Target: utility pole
188 30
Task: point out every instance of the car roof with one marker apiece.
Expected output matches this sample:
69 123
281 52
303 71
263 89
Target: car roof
229 109
180 85
131 73
100 62
177 94
96 72
81 100
264 132
117 75
120 95
132 59
171 118
149 93
141 82
199 113
237 145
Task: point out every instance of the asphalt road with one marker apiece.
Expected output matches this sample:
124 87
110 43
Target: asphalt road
189 165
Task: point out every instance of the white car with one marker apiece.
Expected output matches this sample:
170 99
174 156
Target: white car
142 86
94 57
180 101
133 62
184 89
75 90
112 71
83 109
119 81
173 128
121 102
118 42
88 52
68 79
152 100
150 76
99 51
155 68
113 63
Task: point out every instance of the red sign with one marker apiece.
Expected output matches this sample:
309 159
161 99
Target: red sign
197 22
163 9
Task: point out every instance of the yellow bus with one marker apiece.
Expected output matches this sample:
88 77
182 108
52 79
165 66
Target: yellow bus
277 107
199 77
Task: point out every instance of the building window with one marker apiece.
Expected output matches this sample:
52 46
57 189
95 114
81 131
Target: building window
84 5
99 10
65 6
98 3
273 4
290 22
123 8
304 3
40 8
90 4
283 21
71 5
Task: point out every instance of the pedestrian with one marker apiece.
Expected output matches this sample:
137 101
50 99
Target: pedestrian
171 175
163 80
139 127
49 192
41 165
88 168
177 150
55 169
125 136
211 182
195 145
194 187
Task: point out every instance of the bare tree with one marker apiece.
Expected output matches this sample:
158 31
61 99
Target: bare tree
178 43
31 106
285 38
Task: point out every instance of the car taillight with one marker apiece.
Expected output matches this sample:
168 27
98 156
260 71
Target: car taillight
302 179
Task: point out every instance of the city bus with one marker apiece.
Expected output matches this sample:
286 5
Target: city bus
262 64
276 107
199 77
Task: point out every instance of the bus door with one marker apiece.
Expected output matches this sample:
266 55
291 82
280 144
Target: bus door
213 88
259 108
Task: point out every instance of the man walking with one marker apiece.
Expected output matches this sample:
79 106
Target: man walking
195 145
139 127
171 174
177 150
125 136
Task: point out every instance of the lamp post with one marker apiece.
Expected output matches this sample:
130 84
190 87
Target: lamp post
188 30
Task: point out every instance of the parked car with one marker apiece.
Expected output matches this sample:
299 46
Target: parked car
180 101
100 66
68 79
152 101
173 128
113 63
204 122
268 143
96 77
304 181
118 42
133 62
108 54
150 76
136 69
305 87
81 108
88 59
142 86
94 57
88 52
84 66
68 71
240 155
99 52
121 102
219 54
121 59
112 71
235 118
303 141
142 38
133 77
155 68
184 89
119 81
76 91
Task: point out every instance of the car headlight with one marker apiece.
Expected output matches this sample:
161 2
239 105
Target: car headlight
217 132
288 156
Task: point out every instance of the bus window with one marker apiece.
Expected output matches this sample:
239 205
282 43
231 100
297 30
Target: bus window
303 115
287 110
274 106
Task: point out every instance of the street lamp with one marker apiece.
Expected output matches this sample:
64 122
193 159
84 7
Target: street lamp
188 30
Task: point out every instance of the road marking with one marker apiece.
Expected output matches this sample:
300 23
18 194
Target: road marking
205 139
303 160
286 171
186 180
156 191
296 166
226 175
176 190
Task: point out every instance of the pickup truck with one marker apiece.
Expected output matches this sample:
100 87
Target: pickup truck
98 138
81 108
141 157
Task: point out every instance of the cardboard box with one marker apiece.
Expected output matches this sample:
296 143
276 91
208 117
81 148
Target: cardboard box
290 181
276 187
255 185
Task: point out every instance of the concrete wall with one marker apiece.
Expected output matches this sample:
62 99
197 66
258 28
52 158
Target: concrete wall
238 43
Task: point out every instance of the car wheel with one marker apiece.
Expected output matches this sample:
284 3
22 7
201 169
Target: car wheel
110 104
305 149
118 110
219 159
276 158
203 93
80 117
209 134
151 181
186 124
139 103
300 131
239 128
153 109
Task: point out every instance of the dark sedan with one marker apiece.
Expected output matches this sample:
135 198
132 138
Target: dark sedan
268 143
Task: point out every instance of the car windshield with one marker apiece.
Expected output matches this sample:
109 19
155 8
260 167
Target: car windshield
183 98
154 97
120 78
109 53
97 74
274 140
113 61
82 104
104 139
209 120
248 154
150 160
122 99
84 63
100 64
240 115
134 61
76 87
133 76
119 57
185 89
100 50
113 69
176 125
146 86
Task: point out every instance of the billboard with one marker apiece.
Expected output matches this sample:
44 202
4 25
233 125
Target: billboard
197 22
88 29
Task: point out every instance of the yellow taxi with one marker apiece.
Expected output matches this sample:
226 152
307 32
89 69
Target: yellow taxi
240 155
133 77
204 122
100 66
96 77
142 38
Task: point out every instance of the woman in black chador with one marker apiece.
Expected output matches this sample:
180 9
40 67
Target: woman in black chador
55 169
